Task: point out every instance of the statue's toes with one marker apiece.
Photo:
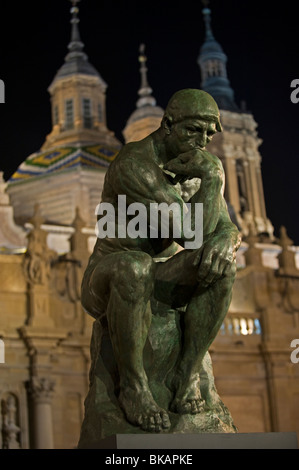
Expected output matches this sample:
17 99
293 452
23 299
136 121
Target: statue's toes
197 406
155 422
165 420
192 406
184 407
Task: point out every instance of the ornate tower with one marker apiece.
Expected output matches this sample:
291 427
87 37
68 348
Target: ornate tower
77 97
212 62
238 145
69 170
147 117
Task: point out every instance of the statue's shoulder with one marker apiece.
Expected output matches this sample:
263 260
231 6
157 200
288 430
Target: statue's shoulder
136 161
216 160
139 151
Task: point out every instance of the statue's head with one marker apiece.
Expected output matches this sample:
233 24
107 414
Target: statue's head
192 103
190 120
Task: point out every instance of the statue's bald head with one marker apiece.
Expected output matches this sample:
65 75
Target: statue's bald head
192 103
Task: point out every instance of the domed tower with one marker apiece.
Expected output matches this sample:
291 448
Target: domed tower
147 117
69 169
238 145
78 98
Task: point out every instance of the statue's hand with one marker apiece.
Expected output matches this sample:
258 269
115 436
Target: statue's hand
197 164
217 259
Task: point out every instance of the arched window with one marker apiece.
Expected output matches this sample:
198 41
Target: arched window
87 114
69 114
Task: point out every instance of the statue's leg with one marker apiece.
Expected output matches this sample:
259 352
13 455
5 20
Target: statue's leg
206 309
202 320
130 280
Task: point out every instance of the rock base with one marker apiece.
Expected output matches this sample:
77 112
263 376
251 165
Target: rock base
103 415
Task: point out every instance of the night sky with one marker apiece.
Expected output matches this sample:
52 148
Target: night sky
260 39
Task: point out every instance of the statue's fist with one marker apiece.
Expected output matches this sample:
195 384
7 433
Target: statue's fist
195 163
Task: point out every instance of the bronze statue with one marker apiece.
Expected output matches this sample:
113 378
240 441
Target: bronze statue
169 166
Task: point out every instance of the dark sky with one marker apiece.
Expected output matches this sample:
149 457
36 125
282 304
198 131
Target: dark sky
260 39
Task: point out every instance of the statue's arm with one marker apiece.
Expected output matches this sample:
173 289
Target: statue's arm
208 168
221 237
144 182
220 250
226 228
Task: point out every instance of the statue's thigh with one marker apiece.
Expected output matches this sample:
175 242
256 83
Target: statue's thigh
119 270
175 281
95 286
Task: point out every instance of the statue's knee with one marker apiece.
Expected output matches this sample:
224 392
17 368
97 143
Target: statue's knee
137 268
230 275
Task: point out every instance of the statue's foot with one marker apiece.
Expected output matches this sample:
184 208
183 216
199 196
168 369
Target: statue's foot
188 406
141 410
188 399
213 401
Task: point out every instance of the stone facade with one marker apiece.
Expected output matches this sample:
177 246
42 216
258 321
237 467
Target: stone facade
252 355
46 335
238 149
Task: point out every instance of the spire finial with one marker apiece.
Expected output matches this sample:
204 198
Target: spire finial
207 19
212 62
143 69
145 90
37 219
284 240
76 44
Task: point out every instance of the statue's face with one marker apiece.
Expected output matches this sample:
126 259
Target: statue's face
189 134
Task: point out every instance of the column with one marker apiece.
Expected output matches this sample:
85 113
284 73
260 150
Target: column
232 183
41 391
248 186
261 190
254 186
